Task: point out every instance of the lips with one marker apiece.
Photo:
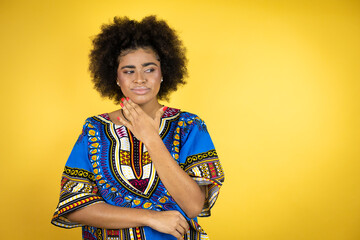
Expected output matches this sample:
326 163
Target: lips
140 90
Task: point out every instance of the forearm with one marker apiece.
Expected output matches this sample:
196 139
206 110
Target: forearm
182 188
104 215
185 191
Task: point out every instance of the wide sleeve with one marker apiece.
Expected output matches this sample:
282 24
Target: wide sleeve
199 158
78 186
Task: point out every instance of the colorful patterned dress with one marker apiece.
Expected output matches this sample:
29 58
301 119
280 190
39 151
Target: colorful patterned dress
108 164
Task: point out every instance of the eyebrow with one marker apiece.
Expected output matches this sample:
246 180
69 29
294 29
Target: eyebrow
144 65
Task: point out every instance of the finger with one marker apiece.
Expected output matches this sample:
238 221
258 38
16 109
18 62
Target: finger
186 225
124 122
176 234
182 233
128 109
134 106
159 113
131 105
132 114
126 116
157 118
180 230
183 227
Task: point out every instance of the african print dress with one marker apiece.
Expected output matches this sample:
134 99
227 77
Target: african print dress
108 164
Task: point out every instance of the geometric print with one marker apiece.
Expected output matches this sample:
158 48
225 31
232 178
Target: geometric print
78 189
205 165
125 158
76 172
136 233
204 168
110 151
185 122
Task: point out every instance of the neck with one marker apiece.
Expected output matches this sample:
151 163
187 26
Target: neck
150 108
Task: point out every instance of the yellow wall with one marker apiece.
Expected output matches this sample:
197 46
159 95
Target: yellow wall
276 81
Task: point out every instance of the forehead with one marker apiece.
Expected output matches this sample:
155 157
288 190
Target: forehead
139 55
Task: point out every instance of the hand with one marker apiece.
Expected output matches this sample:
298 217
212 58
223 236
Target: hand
138 122
170 222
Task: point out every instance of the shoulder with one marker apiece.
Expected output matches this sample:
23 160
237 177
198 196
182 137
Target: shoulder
187 116
189 121
176 112
95 122
97 118
184 119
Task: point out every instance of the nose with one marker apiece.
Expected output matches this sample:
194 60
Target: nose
140 78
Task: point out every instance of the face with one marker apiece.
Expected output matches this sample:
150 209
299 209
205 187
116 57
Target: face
139 76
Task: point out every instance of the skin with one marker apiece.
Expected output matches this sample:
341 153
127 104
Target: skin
139 78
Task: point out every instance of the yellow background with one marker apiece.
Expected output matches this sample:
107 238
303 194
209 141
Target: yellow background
277 83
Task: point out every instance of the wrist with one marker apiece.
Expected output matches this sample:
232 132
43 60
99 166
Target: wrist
147 217
151 141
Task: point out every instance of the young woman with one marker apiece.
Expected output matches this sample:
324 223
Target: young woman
144 171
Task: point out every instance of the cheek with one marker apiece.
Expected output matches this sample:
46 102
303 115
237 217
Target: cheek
159 74
122 84
121 79
157 77
123 88
157 83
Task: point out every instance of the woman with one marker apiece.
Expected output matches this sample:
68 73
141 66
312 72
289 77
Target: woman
126 177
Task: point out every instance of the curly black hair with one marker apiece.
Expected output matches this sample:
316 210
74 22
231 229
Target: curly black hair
124 34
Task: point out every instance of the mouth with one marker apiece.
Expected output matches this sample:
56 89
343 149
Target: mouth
140 90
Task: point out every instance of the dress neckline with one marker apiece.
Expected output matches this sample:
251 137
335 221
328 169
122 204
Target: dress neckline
169 112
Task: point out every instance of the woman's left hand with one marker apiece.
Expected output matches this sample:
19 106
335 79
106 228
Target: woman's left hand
140 123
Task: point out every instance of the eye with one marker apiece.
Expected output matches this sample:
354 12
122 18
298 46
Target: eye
129 72
149 70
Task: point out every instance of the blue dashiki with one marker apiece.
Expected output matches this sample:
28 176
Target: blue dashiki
108 164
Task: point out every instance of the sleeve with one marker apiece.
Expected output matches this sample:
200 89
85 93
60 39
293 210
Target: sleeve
199 159
78 186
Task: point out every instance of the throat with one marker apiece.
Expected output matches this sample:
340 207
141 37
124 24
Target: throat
151 109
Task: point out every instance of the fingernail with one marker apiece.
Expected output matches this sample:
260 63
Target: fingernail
164 108
121 104
123 99
127 99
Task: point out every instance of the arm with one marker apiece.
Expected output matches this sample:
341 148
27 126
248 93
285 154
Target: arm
104 215
185 191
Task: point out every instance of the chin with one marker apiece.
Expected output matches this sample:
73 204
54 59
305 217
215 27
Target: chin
140 100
